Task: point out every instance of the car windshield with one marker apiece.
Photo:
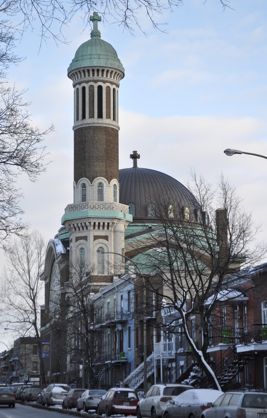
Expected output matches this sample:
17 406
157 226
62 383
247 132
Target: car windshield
5 390
174 390
253 400
125 395
97 392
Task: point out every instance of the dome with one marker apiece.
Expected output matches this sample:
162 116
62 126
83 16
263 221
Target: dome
146 190
96 53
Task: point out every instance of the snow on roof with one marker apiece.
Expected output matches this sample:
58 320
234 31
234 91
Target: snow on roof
224 295
58 389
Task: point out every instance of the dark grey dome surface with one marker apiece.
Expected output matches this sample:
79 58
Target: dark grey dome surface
143 187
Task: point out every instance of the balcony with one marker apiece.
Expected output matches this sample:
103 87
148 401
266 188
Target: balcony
244 341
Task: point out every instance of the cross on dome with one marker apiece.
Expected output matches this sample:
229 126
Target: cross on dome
135 156
95 18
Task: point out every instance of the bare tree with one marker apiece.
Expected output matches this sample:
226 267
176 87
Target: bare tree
24 290
79 327
193 256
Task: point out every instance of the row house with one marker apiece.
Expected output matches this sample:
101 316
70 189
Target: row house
238 330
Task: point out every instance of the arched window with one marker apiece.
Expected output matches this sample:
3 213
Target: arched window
99 101
170 212
82 259
83 192
91 102
100 191
114 104
100 260
132 209
83 102
186 213
115 193
77 103
108 102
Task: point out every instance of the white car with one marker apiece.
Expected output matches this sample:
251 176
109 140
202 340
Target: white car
238 404
154 401
191 403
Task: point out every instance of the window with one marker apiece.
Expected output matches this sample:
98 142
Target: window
100 261
129 337
100 192
82 258
83 192
170 212
91 102
115 193
186 214
77 104
34 366
83 103
100 102
121 303
108 102
129 301
264 312
114 104
151 210
35 349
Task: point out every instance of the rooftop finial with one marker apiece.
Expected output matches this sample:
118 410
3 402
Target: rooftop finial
135 156
95 19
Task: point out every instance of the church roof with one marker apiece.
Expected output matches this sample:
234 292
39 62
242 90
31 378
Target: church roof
96 52
146 191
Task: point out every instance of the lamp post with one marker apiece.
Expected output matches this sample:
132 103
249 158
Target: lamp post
230 152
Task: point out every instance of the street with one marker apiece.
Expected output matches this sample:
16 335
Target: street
24 411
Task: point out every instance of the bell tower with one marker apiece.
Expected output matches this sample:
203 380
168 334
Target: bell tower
96 220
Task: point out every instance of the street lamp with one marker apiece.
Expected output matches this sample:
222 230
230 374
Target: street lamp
230 152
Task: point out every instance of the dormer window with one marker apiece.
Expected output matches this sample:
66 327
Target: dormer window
151 210
83 192
170 212
100 192
186 214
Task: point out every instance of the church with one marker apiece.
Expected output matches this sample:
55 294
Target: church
103 237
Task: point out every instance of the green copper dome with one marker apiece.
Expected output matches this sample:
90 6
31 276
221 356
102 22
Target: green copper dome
95 52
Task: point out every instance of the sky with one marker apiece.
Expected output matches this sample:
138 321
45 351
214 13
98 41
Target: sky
191 89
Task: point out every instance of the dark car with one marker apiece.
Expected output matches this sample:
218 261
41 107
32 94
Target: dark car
90 399
70 401
7 397
118 401
30 394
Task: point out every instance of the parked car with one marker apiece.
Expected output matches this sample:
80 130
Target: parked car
118 401
54 394
191 403
30 394
238 405
7 397
90 399
70 400
155 399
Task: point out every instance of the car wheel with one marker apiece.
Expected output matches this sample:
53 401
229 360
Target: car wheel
84 408
166 415
107 412
97 411
153 413
191 416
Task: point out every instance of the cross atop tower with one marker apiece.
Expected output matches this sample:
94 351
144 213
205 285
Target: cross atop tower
135 156
95 19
